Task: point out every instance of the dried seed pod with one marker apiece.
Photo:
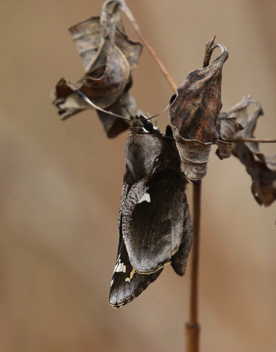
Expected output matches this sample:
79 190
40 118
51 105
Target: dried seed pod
194 112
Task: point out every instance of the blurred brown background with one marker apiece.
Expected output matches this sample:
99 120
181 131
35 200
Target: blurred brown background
60 186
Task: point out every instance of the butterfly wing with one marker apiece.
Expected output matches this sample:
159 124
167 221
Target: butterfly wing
126 283
180 258
153 220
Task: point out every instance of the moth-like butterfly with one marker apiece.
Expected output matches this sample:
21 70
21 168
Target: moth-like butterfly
155 225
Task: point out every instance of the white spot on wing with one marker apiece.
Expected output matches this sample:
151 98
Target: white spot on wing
145 198
120 267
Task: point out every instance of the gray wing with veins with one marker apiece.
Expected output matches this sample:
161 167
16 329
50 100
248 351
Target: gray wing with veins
153 218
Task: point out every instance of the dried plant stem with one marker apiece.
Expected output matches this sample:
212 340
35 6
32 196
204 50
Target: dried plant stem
149 47
253 140
192 327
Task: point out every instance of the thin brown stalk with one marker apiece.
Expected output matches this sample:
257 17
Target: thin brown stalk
149 47
192 327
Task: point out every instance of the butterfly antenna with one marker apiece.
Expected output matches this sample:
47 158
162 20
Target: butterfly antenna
84 97
160 113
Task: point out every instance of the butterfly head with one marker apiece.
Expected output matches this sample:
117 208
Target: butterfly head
141 125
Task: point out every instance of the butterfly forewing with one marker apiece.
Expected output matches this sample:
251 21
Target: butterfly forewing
152 220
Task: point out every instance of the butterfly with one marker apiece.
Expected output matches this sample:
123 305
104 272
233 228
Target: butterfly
155 225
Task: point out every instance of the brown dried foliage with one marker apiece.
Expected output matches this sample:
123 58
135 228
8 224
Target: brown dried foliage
194 113
109 56
260 167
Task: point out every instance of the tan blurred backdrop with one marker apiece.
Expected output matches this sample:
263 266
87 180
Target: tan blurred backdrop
60 185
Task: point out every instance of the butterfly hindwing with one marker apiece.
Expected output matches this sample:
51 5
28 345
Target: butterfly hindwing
126 283
180 258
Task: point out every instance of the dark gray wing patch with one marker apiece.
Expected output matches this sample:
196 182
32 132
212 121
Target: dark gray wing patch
152 221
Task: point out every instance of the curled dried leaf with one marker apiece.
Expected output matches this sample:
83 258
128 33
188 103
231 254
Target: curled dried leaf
194 112
260 167
239 111
109 56
88 36
227 127
107 76
263 177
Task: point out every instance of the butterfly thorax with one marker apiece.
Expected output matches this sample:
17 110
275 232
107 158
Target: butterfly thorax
142 151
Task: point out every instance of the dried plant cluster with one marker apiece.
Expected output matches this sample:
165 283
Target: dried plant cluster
153 158
260 167
109 57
